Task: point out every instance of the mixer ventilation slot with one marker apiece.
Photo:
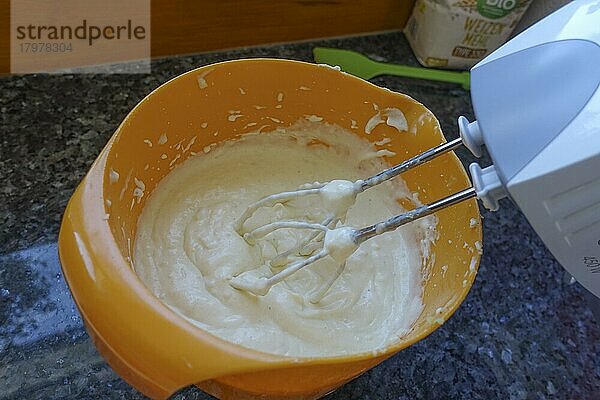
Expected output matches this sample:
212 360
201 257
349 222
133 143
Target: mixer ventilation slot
576 211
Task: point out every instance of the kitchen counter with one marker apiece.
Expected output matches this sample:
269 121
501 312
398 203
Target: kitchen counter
523 332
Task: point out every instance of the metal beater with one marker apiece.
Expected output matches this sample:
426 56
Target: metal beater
327 240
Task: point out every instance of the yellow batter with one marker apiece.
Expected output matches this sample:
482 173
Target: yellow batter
187 249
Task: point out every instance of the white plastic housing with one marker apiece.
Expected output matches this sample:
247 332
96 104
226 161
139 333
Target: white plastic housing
537 103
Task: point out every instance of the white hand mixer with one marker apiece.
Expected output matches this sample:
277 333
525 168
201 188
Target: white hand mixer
537 103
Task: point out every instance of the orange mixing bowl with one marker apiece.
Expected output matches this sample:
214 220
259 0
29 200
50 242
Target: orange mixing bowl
156 350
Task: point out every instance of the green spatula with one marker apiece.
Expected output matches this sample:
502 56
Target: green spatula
357 64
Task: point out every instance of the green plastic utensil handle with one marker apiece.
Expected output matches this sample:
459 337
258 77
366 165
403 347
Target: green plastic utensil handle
462 78
369 68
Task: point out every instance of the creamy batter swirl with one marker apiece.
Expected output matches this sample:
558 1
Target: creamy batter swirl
187 249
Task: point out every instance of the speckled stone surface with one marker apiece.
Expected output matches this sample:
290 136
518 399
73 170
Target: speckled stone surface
523 332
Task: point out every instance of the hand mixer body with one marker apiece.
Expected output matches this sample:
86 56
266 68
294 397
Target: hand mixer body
537 104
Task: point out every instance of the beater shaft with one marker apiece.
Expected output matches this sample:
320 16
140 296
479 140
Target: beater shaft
409 216
419 159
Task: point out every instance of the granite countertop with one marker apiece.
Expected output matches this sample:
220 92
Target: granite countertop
523 332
